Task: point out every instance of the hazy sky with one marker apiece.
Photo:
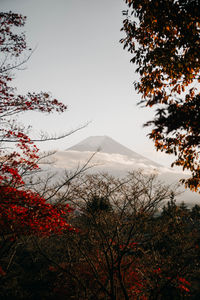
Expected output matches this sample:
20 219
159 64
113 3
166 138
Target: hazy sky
79 59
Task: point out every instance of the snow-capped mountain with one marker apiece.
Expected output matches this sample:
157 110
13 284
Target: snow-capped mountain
108 156
116 159
105 144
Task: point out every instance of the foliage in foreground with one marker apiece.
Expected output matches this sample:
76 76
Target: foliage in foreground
22 211
18 204
121 249
163 38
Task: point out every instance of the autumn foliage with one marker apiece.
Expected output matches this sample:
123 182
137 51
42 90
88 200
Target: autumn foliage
22 212
121 250
164 40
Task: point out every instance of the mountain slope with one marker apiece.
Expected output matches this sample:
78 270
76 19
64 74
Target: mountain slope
105 144
115 159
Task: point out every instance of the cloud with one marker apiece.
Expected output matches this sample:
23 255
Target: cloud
119 165
71 159
108 161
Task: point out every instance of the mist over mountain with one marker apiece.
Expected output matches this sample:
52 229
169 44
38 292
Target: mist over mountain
105 144
108 156
116 159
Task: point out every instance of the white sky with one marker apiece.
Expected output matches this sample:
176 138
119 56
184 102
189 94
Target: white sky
79 59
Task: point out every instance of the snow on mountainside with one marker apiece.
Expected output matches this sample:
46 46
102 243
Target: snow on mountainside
105 144
116 159
110 156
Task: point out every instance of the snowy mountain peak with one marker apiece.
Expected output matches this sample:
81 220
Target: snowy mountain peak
94 142
102 144
105 144
112 158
